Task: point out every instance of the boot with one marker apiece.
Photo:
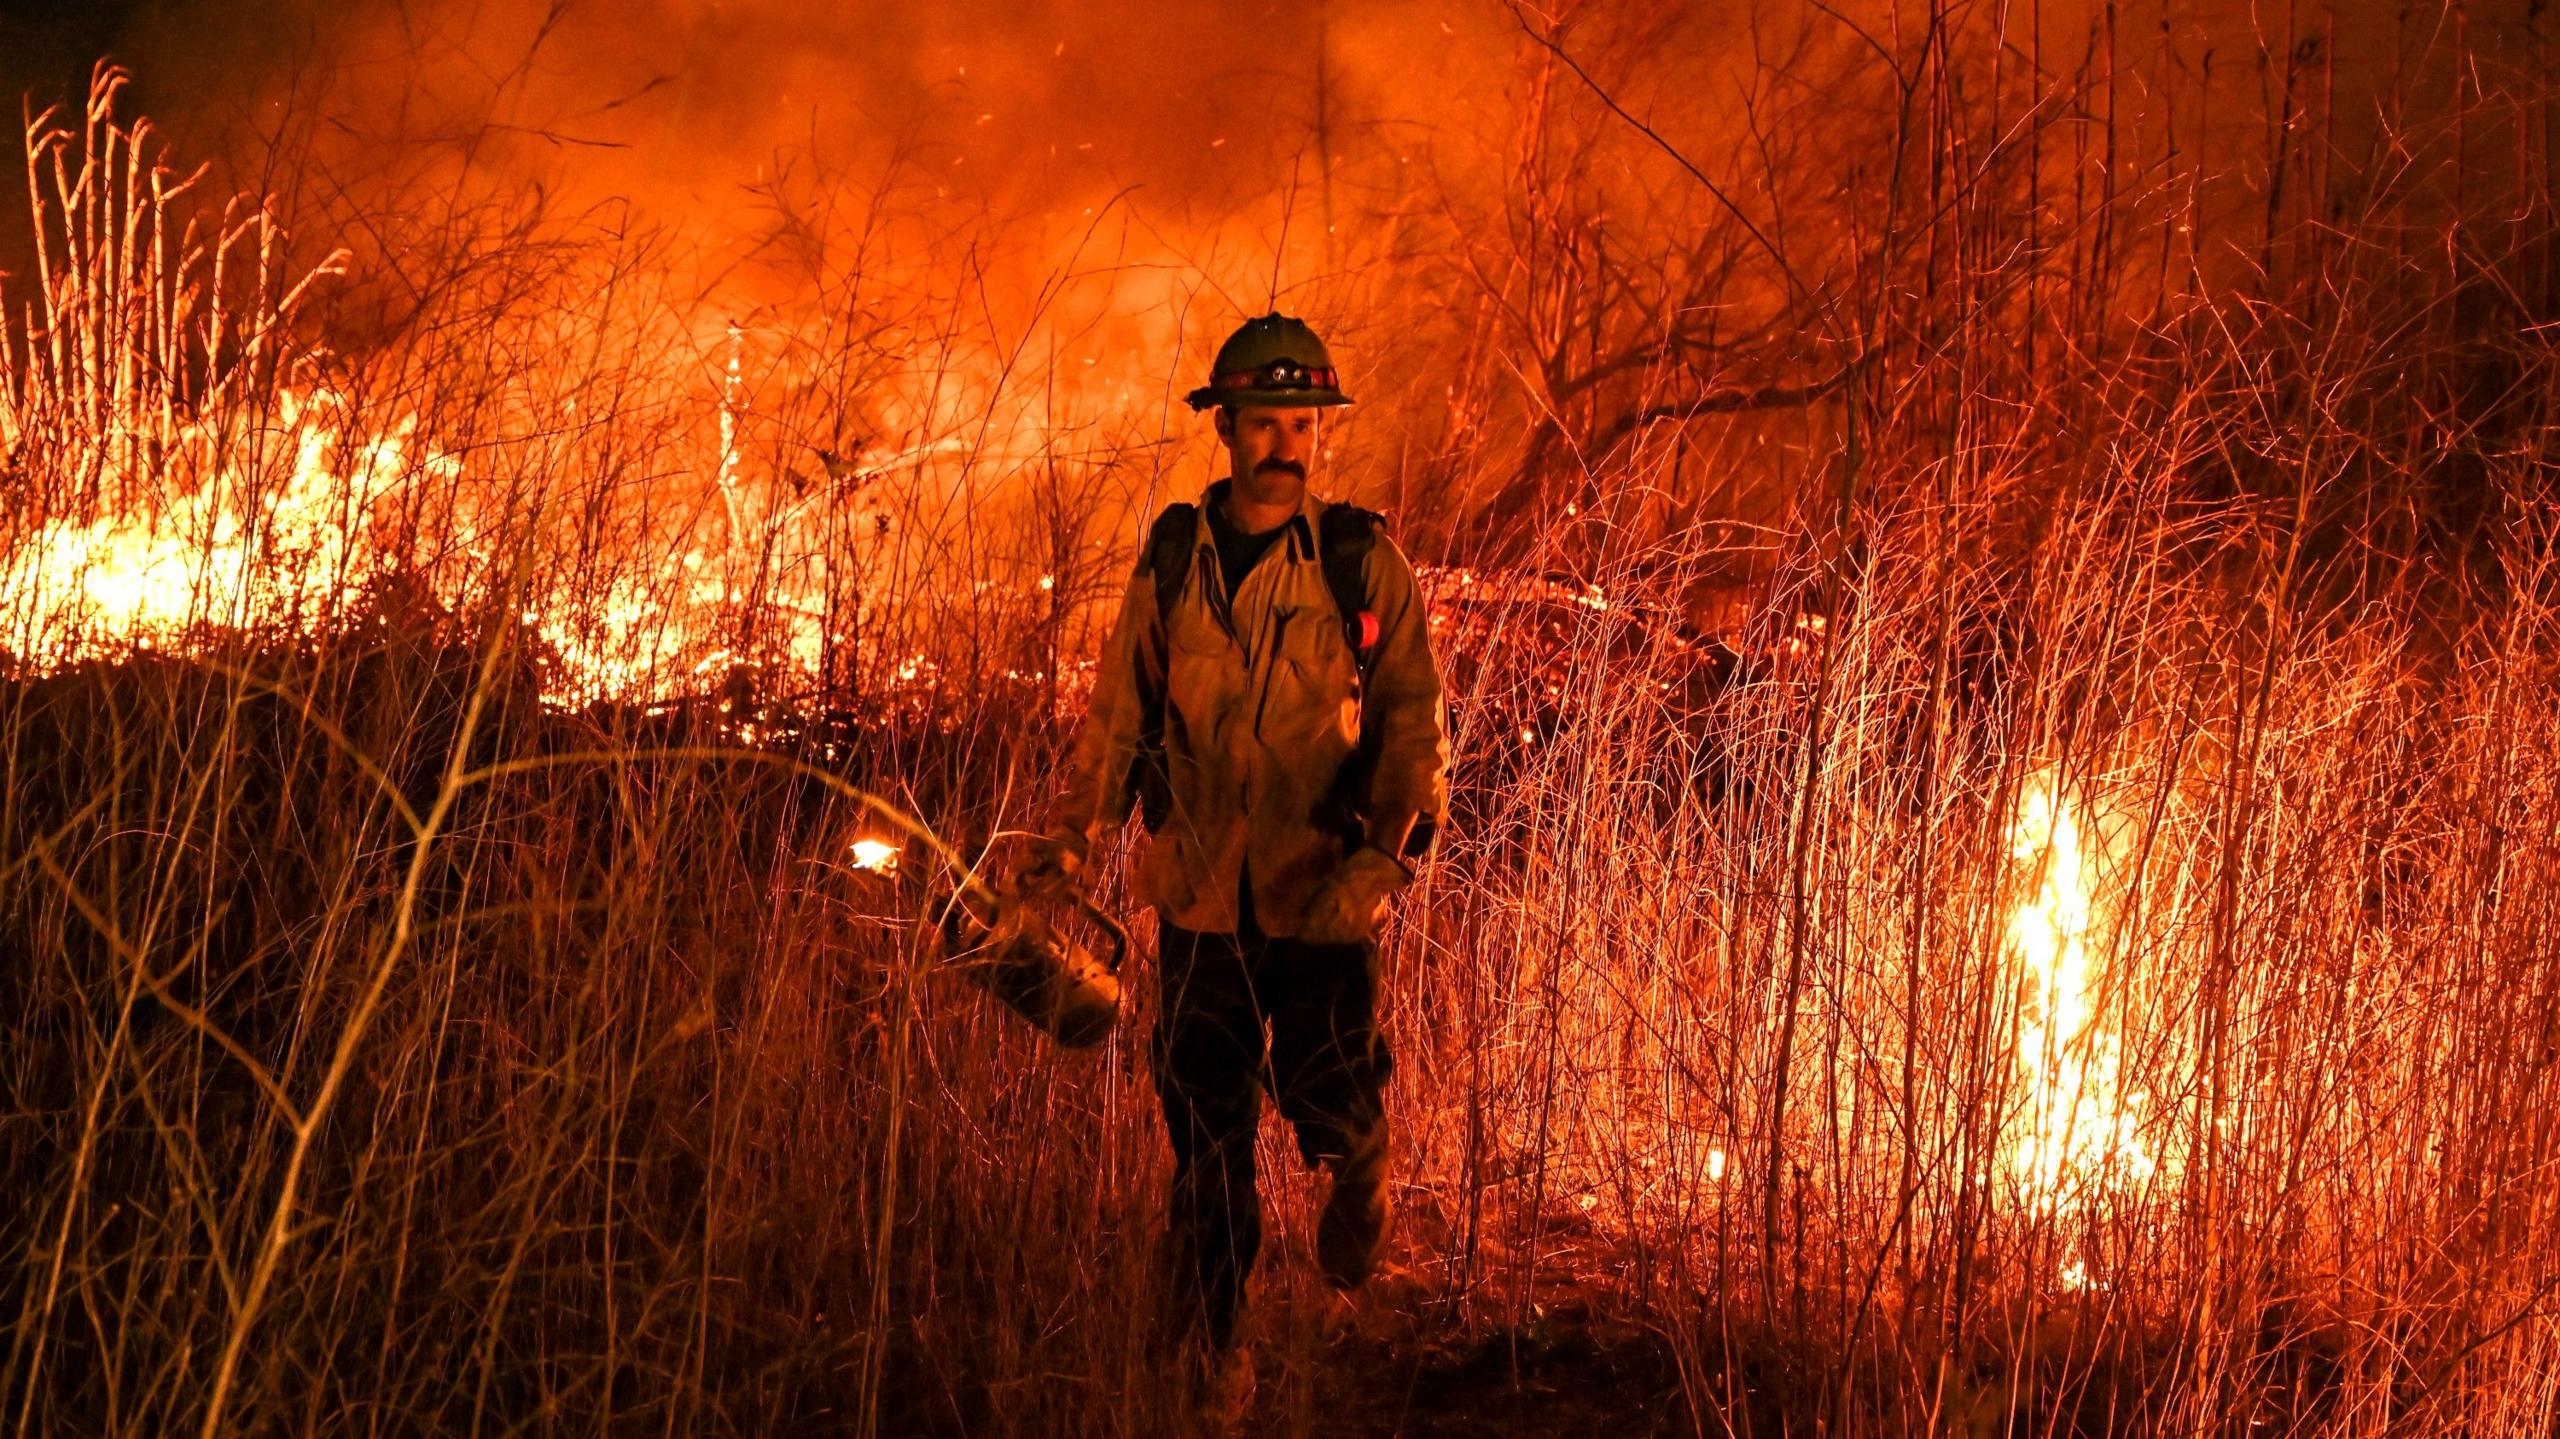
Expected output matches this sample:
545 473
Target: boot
1353 1228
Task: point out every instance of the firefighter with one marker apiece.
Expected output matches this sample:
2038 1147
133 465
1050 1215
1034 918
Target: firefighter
1270 701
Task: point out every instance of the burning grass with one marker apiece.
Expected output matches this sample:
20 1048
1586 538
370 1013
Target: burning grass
2067 945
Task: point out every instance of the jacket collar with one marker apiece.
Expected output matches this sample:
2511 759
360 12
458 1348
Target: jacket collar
1302 525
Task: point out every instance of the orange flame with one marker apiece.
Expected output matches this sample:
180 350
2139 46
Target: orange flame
287 529
227 555
2079 1129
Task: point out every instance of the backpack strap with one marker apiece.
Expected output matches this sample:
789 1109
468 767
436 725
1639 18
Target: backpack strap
1169 543
1345 533
1167 560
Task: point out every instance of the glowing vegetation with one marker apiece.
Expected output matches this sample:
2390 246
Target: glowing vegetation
2007 837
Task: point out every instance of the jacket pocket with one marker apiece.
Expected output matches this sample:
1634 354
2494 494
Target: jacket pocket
1203 671
1311 686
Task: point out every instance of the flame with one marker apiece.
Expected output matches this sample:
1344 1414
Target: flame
173 488
2080 1127
877 855
229 553
280 522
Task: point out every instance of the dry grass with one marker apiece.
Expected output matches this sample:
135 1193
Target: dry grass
390 1050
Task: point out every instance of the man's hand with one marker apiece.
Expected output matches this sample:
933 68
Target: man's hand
1351 903
1051 874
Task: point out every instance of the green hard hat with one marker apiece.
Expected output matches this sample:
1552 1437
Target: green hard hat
1275 360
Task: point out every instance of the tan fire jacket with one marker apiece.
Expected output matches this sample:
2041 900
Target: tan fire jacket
1259 700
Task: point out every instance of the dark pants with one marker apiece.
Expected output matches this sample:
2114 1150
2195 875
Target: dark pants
1328 1070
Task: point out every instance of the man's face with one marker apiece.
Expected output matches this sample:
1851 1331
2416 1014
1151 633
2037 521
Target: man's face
1273 450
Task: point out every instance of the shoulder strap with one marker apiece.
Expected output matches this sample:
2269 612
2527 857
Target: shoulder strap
1167 558
1169 552
1345 533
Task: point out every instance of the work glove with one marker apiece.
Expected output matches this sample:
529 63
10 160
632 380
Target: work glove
1051 873
1352 902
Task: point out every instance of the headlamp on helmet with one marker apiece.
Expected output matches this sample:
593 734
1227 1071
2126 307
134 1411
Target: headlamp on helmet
1275 360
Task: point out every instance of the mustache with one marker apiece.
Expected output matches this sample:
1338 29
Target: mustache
1278 466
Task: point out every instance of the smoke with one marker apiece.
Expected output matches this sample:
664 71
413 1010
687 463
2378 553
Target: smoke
1197 114
1112 186
1109 189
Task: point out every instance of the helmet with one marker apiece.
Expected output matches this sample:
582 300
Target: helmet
1275 360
